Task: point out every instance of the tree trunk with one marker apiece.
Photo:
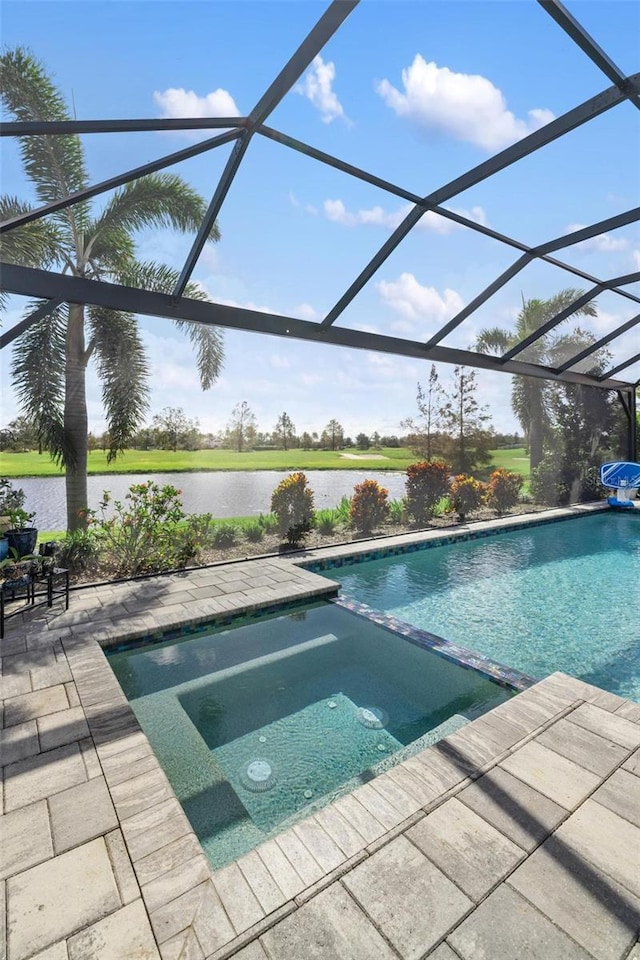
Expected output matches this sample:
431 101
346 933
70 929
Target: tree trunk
535 442
75 421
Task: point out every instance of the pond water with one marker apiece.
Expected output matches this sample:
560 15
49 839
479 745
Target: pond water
233 493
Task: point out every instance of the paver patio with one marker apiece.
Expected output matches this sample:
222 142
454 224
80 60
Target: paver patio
516 837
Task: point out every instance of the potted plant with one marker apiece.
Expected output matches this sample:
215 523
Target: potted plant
10 499
15 569
22 535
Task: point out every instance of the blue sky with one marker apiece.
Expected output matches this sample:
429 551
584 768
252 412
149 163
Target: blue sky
415 92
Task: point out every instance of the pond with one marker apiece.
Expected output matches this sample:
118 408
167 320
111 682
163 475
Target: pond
233 493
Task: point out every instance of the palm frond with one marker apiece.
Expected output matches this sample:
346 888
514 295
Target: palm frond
37 374
54 164
495 341
35 244
123 371
208 341
159 200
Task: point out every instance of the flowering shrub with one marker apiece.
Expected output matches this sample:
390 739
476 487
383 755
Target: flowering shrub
427 482
292 502
467 494
369 507
504 489
140 535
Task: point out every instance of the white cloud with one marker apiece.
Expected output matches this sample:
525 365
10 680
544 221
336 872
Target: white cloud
635 258
278 362
415 302
306 312
466 106
316 86
177 103
604 243
336 211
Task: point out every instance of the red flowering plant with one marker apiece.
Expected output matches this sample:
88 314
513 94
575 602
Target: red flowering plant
140 535
427 483
467 495
504 490
369 507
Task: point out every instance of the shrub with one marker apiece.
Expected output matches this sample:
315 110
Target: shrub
10 499
343 510
369 507
140 535
467 494
326 521
253 531
427 482
548 483
397 511
78 552
590 487
268 522
224 535
503 491
292 503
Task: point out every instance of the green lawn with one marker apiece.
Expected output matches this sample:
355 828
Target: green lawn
162 461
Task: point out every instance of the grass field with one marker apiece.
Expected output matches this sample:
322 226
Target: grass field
33 464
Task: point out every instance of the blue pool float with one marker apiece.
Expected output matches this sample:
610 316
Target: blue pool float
624 478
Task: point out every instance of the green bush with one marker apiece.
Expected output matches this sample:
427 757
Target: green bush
397 511
268 522
78 552
467 495
326 521
427 483
503 490
292 503
369 507
224 535
140 535
10 499
253 531
549 484
343 510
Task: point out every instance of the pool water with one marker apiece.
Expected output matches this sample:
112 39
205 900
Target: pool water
260 724
561 596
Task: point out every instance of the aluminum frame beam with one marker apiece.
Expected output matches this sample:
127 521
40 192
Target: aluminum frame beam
42 311
620 366
47 128
551 323
42 283
623 328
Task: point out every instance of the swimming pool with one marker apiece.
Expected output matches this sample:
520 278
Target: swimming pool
559 596
259 724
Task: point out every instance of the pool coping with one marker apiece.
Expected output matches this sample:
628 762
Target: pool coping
145 802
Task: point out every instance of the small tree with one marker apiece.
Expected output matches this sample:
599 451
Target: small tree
369 506
504 490
284 432
241 429
173 430
333 436
465 422
424 434
292 503
362 441
306 441
427 483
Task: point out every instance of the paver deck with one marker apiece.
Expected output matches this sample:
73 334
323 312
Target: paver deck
517 837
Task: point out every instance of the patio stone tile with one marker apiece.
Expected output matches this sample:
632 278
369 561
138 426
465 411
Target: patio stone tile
329 926
56 952
177 881
609 725
3 920
14 686
19 742
55 899
319 844
253 951
621 793
408 898
468 849
505 927
122 868
633 763
63 727
42 776
340 830
152 840
595 911
517 810
167 857
128 771
404 803
125 933
263 886
25 838
72 694
135 795
409 780
176 915
357 815
584 747
443 952
630 711
184 946
237 898
81 813
90 758
546 771
155 817
609 842
30 706
298 855
378 807
284 874
48 676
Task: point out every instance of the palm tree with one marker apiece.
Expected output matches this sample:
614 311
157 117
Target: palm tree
530 396
51 358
